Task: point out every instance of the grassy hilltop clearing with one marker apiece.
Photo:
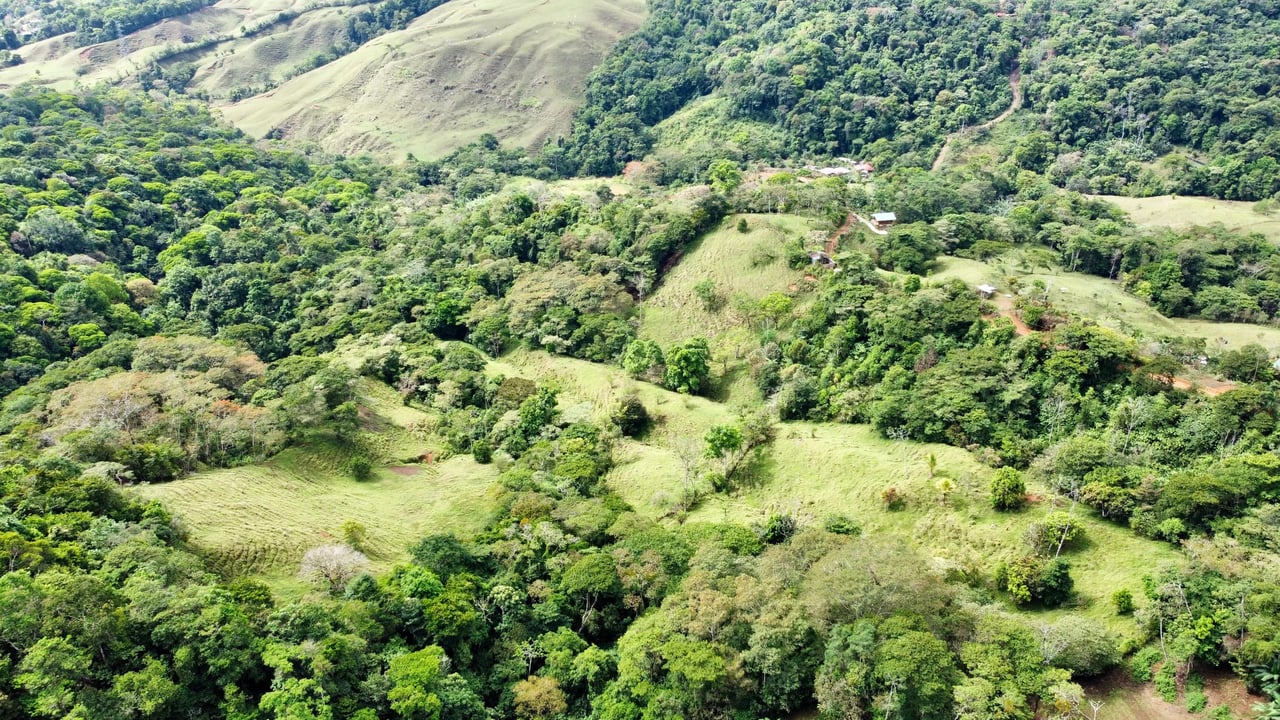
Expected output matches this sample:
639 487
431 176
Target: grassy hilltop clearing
1184 212
260 519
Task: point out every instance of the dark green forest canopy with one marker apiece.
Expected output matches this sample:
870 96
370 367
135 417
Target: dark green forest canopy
837 76
1111 87
129 217
1126 84
125 215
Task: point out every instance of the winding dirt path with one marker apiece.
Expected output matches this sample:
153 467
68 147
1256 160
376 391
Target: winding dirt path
870 225
1015 84
835 238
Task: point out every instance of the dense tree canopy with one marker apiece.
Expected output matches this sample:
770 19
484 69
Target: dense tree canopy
174 296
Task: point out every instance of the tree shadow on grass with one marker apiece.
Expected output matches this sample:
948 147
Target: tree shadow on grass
755 471
723 385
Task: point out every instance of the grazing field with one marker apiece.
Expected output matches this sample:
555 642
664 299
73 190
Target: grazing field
741 265
513 68
59 62
744 268
1183 212
1106 302
260 519
815 469
819 469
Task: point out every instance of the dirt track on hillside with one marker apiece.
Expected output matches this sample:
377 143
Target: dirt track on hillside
1015 84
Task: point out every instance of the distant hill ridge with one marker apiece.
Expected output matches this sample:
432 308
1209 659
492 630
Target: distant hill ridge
390 78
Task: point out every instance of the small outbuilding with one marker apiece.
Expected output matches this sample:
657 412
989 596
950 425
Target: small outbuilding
986 291
818 257
883 220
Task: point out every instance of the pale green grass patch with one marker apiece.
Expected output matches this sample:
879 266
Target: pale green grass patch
744 267
260 519
818 469
512 68
1180 213
1105 302
705 125
593 390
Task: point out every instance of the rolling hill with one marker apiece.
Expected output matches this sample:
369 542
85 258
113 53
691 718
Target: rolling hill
512 69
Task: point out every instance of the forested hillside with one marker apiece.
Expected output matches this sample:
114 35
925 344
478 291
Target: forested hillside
172 295
1111 88
839 77
720 445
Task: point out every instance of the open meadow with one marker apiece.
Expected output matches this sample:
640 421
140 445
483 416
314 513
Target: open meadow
1105 302
512 68
816 469
743 268
1179 212
260 519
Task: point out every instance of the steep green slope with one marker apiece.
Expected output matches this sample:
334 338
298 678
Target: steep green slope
1109 88
870 488
884 81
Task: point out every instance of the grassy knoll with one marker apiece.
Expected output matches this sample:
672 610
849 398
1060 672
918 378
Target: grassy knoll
260 519
817 469
744 267
1184 212
1105 302
513 68
590 391
705 127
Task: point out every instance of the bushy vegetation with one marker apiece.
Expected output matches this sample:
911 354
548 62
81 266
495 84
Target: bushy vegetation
1160 79
176 297
856 78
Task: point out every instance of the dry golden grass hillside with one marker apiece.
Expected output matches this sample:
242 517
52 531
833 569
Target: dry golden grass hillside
513 68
